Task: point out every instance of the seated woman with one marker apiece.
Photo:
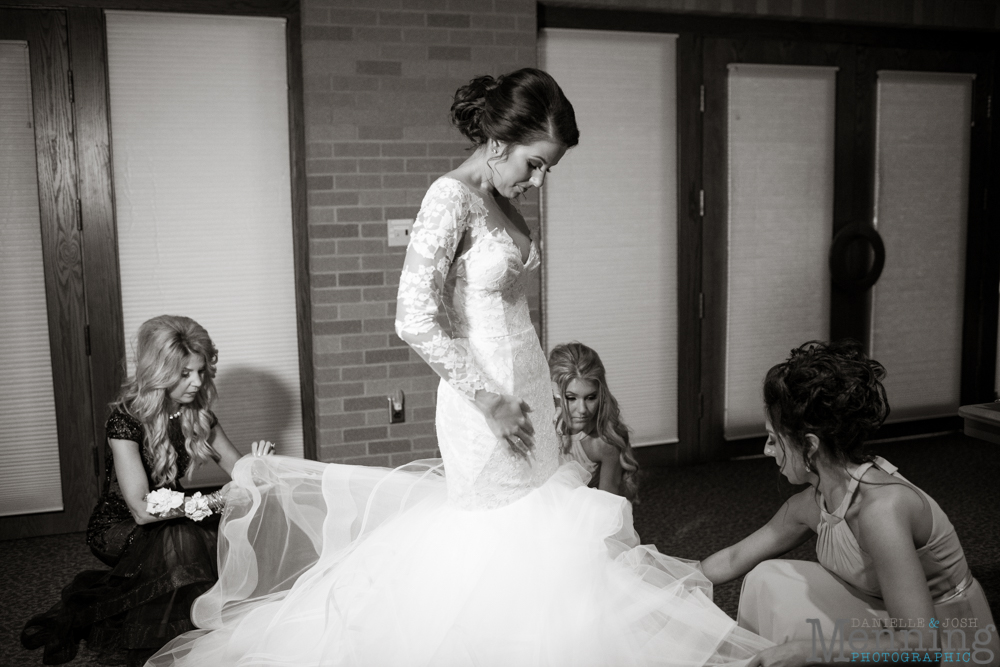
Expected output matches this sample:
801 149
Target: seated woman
891 569
161 424
588 420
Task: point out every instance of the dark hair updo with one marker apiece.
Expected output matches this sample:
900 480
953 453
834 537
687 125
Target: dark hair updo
517 108
832 390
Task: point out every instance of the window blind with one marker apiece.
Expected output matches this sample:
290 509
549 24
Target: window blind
29 448
780 164
610 272
199 118
922 185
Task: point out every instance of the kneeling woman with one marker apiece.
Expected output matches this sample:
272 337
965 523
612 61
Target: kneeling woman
160 425
888 555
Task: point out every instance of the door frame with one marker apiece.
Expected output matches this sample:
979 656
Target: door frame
107 333
62 258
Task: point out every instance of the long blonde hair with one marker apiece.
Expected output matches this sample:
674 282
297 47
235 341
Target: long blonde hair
576 361
163 346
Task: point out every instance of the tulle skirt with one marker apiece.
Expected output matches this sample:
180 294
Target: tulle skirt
326 564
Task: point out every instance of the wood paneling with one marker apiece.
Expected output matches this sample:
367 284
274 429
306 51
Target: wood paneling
62 258
714 269
689 242
100 241
300 231
240 7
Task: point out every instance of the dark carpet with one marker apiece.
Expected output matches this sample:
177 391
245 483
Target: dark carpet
688 512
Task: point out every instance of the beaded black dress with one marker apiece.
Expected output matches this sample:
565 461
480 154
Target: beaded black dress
157 570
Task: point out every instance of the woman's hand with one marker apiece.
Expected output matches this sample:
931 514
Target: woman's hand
789 654
507 417
262 448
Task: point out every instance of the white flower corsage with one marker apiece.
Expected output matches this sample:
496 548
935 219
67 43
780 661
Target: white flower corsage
196 507
163 500
169 504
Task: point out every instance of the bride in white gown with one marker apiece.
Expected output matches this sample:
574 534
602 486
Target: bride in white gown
507 559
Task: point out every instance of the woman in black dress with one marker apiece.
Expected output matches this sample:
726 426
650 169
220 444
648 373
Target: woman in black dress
160 426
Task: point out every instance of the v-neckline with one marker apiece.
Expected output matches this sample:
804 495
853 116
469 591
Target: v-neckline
502 229
513 243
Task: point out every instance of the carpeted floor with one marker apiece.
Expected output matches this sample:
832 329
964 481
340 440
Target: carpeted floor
687 512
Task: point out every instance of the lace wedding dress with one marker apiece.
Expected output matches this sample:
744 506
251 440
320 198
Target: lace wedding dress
484 559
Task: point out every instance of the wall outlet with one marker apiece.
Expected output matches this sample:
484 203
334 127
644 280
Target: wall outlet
397 413
399 231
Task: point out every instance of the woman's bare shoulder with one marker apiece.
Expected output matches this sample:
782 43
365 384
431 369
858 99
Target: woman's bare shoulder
598 449
882 494
803 507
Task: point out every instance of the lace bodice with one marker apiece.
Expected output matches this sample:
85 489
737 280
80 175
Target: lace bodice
467 316
444 299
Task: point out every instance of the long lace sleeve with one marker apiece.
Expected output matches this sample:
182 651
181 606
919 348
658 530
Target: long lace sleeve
437 231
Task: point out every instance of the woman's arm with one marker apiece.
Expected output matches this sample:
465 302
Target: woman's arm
437 233
886 533
788 528
228 454
132 479
611 467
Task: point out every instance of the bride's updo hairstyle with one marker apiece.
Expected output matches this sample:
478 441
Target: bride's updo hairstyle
517 108
832 390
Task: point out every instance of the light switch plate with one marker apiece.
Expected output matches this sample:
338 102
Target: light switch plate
399 231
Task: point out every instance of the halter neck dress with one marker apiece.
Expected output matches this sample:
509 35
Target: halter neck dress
577 453
779 595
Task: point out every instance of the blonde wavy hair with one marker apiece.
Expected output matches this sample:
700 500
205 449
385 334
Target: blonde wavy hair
576 361
163 346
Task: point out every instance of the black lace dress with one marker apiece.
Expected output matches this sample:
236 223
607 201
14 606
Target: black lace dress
158 569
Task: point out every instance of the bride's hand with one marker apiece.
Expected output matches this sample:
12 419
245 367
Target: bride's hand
262 448
507 417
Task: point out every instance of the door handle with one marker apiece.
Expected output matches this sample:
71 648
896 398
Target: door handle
839 273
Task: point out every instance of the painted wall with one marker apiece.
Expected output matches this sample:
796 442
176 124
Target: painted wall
379 80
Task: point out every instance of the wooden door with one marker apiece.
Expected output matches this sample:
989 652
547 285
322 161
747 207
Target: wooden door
46 36
853 254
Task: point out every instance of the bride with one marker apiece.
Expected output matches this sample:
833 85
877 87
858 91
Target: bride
498 556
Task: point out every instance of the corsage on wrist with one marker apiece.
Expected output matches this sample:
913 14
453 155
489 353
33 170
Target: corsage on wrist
196 507
168 503
162 502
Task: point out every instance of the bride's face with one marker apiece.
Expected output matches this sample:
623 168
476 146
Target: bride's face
524 167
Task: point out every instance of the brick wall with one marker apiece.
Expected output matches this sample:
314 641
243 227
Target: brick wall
379 79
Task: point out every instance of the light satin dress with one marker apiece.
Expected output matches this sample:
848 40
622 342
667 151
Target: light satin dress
779 595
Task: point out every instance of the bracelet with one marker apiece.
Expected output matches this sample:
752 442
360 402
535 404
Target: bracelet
216 501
